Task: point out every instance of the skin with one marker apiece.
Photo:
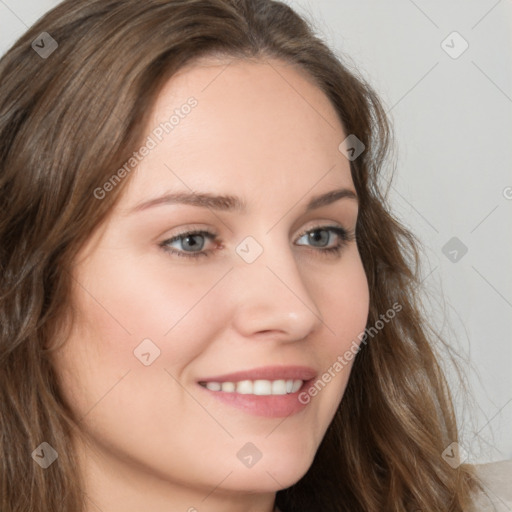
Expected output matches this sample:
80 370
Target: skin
152 440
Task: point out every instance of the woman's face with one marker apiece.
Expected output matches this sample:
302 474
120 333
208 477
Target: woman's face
266 288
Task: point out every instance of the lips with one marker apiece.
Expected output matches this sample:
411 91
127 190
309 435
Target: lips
266 373
271 373
270 391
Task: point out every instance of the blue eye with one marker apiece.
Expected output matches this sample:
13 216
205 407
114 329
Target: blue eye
321 237
191 244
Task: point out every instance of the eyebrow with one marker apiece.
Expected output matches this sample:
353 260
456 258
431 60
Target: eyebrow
233 203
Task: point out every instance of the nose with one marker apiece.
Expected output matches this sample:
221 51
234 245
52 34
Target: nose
272 298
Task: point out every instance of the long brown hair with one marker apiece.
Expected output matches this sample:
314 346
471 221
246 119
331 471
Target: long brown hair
68 119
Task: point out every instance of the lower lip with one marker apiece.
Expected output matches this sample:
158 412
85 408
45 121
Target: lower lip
270 406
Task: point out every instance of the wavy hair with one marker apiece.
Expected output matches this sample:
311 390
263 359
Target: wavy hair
67 120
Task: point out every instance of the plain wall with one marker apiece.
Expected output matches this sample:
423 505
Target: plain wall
452 116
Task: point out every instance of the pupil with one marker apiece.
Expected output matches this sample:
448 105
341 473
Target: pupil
192 243
320 235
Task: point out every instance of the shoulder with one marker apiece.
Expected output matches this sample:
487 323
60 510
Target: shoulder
496 493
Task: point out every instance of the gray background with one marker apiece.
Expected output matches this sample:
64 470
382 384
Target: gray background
452 117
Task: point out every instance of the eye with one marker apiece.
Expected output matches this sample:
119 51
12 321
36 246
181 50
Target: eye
326 240
323 237
189 244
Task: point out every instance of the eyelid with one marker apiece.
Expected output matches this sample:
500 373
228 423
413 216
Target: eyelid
196 229
325 226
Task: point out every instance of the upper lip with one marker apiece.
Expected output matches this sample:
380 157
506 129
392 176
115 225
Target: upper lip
266 373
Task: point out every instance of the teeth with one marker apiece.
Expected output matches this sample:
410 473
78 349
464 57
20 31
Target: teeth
228 387
279 387
296 385
244 387
262 387
256 387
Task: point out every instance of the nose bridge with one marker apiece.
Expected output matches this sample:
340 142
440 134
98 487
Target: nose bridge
272 293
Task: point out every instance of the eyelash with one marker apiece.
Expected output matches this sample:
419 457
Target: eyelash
344 237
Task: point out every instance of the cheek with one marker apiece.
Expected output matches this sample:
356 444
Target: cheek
345 302
344 305
137 297
130 299
120 306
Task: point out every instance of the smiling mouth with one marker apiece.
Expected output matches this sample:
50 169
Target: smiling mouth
267 391
258 387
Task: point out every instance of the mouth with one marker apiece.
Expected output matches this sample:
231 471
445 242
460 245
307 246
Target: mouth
271 391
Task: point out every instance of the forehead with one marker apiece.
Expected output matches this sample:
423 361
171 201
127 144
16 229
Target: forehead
255 124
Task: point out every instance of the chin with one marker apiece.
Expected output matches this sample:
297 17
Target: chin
272 473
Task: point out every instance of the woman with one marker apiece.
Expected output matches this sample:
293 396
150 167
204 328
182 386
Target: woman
206 303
